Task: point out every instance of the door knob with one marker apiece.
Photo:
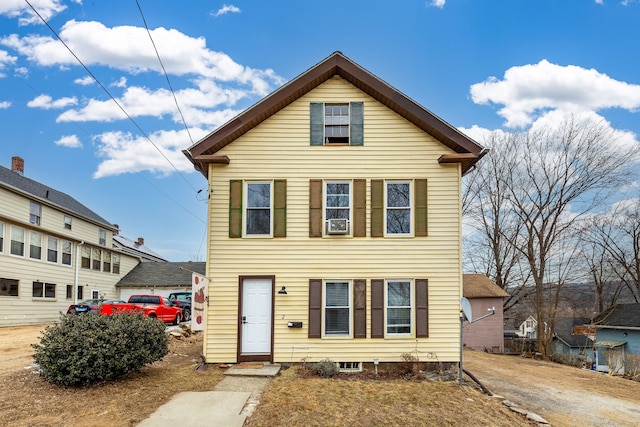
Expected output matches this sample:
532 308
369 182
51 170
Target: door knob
244 319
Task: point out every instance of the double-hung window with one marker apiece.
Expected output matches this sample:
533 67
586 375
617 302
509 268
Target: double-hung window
96 259
85 257
337 206
102 237
337 123
67 222
66 252
398 307
1 237
52 249
35 213
35 245
337 308
17 240
398 207
258 212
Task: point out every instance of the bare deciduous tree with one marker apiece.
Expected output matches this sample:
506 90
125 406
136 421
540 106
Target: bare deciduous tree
549 179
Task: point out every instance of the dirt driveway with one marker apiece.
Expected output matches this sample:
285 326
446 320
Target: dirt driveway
563 395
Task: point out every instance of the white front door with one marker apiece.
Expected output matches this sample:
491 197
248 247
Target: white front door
256 316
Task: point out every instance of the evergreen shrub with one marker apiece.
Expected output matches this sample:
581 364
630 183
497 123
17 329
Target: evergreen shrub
85 349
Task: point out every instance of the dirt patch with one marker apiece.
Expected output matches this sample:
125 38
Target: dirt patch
125 402
563 395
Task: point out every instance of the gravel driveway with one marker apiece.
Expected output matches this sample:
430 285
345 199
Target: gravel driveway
563 395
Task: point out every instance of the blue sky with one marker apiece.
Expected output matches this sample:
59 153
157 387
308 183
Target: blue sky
480 65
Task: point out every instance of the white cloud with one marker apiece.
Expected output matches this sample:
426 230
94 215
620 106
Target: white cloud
84 81
4 105
436 3
125 153
121 82
196 105
225 9
47 103
21 10
5 59
70 141
529 91
128 48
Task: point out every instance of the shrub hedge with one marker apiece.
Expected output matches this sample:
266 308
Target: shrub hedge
85 349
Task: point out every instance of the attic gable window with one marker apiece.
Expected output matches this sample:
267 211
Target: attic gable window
337 123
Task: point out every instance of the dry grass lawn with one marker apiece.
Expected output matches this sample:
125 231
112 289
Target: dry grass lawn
290 399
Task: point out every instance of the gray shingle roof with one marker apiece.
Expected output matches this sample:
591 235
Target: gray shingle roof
148 274
16 182
621 316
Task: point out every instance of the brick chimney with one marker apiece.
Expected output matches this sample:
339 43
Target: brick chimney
140 241
17 165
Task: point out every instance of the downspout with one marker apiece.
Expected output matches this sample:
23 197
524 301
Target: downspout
75 293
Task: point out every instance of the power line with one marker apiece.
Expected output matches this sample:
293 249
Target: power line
109 94
165 72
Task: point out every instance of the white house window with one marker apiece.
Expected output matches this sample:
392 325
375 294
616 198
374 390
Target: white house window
96 259
17 241
85 257
106 262
66 252
35 212
43 290
8 287
52 249
102 237
336 123
35 245
258 208
1 237
337 202
67 222
398 207
337 308
398 310
116 264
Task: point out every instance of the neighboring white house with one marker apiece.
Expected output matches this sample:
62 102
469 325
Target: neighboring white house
528 328
54 251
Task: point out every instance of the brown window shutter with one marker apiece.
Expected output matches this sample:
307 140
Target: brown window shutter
235 208
359 308
315 308
377 308
356 129
422 308
280 208
420 196
315 208
377 208
359 208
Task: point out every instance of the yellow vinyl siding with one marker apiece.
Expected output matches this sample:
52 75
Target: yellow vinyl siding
279 149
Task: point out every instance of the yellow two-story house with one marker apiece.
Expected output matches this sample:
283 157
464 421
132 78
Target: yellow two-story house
334 224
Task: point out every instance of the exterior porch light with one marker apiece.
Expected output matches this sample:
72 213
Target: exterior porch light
283 291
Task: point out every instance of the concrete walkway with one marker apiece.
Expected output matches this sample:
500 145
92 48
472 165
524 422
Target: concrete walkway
228 405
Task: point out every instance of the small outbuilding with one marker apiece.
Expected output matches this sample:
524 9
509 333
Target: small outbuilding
484 295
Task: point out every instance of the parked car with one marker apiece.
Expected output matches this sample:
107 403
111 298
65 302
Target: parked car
154 306
182 300
91 305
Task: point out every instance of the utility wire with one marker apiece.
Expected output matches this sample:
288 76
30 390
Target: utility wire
109 94
165 72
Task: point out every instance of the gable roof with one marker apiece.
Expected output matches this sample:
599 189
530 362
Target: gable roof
136 249
480 286
564 331
18 183
148 274
619 316
203 152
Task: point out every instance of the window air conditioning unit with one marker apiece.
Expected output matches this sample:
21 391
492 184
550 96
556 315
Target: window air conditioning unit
337 226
